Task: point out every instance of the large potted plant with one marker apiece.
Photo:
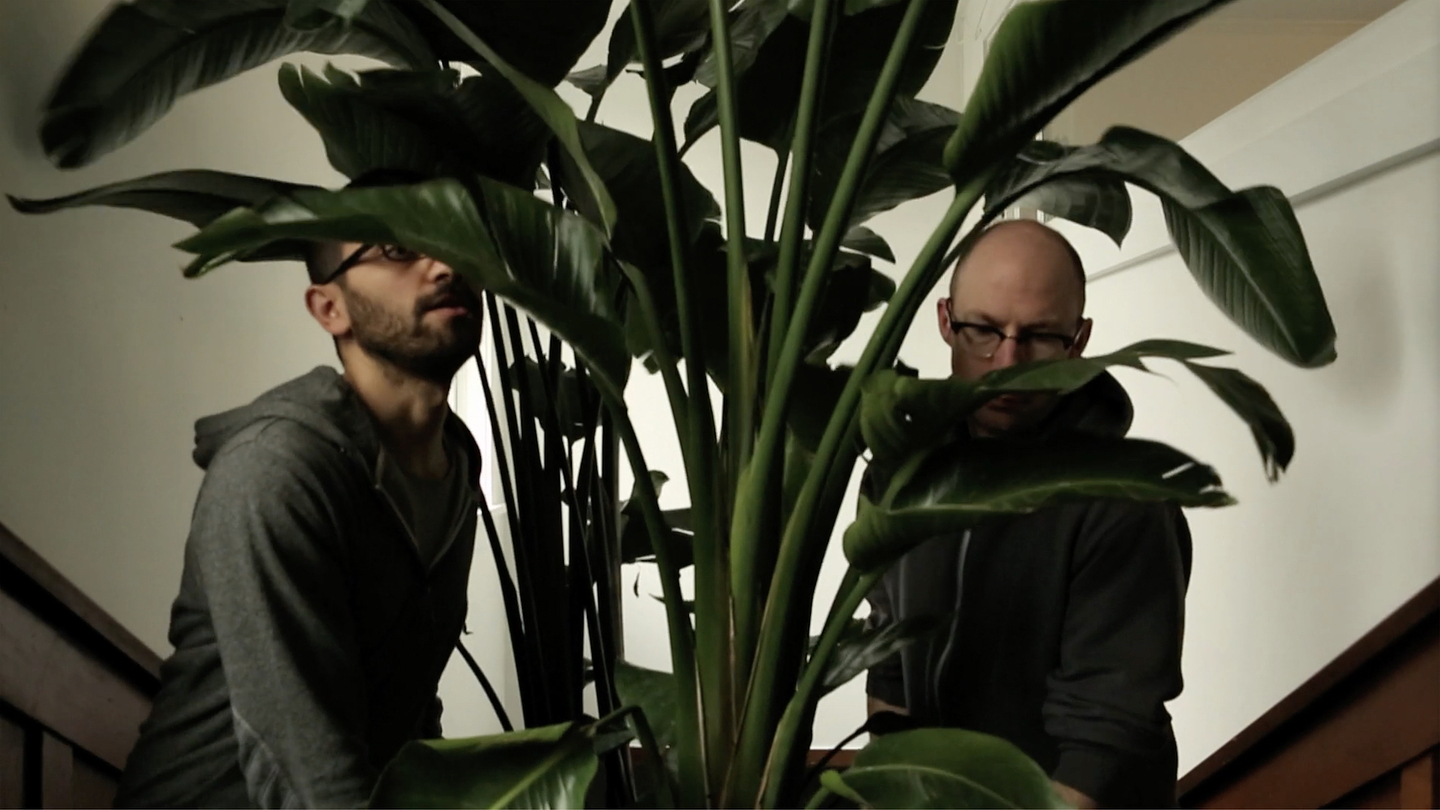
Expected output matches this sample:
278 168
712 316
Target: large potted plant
615 255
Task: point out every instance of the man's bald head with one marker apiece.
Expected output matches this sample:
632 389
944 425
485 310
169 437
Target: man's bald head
1017 294
1026 246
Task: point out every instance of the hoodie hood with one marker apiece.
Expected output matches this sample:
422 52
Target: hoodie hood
324 403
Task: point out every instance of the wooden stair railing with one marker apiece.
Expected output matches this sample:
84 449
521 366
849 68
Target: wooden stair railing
1363 732
74 688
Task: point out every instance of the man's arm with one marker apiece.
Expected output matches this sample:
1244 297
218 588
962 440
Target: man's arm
1120 657
273 574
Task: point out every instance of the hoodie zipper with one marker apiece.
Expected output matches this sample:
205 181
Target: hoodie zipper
947 654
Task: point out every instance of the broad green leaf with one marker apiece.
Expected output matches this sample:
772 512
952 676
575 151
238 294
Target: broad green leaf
1249 399
1245 248
540 38
547 767
857 654
195 196
308 15
769 91
145 54
1034 179
569 408
943 768
852 289
681 27
550 107
544 260
1042 57
963 483
654 693
431 122
1248 254
635 544
750 25
901 415
907 163
626 164
863 240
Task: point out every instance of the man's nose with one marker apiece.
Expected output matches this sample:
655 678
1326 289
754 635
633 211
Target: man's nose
438 270
1007 354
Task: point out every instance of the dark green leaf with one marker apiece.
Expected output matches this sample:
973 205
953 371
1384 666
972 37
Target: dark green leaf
943 768
308 15
907 162
1248 399
541 39
552 109
1042 57
145 54
196 196
901 415
750 26
635 544
626 165
430 123
681 27
963 483
544 260
654 693
1248 254
548 767
569 410
852 289
1032 180
1244 248
855 655
863 240
769 91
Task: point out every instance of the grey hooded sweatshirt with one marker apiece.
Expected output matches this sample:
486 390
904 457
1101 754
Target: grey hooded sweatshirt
309 634
1066 634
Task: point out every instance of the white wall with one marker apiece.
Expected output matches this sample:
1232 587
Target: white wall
108 356
1285 581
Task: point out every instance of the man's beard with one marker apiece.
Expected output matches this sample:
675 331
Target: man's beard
426 351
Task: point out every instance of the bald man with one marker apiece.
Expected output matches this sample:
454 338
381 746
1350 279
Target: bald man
1068 621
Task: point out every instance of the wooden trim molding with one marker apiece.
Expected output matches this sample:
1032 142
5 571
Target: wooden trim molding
33 580
1372 711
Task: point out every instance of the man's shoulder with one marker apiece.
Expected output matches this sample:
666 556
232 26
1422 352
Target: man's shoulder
274 451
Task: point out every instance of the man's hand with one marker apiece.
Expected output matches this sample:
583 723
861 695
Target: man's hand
1074 798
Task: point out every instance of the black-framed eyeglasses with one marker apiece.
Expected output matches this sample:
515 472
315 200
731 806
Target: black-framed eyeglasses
983 340
390 253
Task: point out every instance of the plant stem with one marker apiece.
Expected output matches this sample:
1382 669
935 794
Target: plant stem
682 640
701 465
789 587
774 635
801 710
495 703
776 186
674 388
756 504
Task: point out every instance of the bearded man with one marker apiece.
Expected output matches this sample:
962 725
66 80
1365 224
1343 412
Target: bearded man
325 575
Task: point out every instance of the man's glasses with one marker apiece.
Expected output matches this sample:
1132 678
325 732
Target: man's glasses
983 341
365 253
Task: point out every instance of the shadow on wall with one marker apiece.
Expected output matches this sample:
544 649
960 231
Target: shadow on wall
1368 305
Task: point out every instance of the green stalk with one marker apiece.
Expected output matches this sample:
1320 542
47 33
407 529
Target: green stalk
700 466
755 729
781 625
740 399
674 388
792 232
801 710
682 640
756 500
777 185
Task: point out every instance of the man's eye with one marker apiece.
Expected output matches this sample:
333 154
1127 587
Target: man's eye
395 253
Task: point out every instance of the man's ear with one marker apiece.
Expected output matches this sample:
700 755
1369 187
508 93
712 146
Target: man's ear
327 306
942 314
1081 338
